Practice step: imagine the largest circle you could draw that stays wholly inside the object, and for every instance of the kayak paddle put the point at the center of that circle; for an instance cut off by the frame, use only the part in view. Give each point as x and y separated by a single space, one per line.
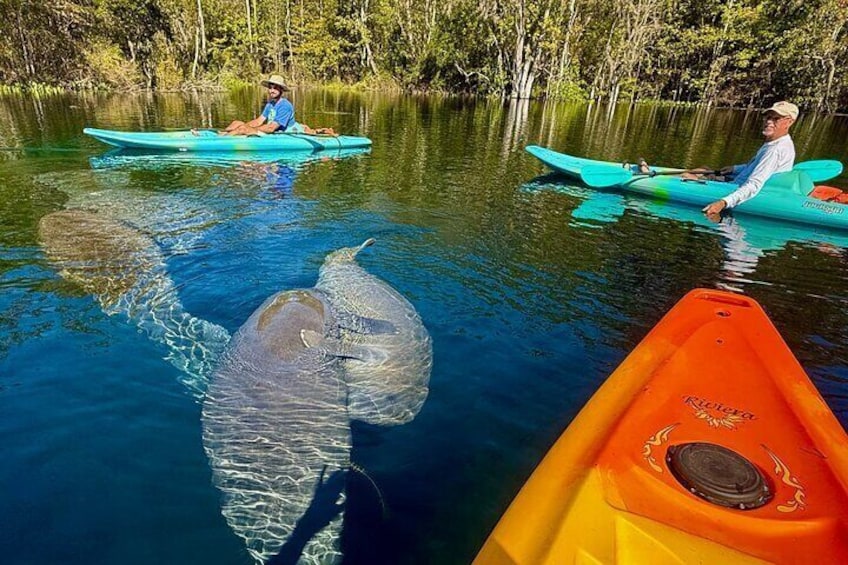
604 176
821 170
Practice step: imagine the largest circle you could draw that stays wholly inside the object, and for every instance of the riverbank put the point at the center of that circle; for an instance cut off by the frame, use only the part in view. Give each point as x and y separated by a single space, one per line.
224 85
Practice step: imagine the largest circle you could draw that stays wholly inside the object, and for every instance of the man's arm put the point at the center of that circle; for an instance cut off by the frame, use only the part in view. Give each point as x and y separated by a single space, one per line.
270 127
767 166
256 122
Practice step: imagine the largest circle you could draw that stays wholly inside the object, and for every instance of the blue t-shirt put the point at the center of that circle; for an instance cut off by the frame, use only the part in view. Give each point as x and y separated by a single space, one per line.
282 112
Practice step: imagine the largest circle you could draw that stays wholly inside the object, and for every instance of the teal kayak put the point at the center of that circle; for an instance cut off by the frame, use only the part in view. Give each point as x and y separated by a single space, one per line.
783 197
208 140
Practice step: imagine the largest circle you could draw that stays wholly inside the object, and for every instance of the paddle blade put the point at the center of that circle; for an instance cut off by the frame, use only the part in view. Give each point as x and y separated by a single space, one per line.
821 170
601 176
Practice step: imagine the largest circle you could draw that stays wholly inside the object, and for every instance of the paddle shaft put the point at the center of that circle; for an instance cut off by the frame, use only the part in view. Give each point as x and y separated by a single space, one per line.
818 170
601 176
679 172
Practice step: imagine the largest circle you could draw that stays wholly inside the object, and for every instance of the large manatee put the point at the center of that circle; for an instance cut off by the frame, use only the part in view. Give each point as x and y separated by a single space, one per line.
389 374
125 271
276 414
277 433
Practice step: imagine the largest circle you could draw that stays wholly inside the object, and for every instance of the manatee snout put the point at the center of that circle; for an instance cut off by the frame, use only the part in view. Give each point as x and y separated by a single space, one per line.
367 243
347 254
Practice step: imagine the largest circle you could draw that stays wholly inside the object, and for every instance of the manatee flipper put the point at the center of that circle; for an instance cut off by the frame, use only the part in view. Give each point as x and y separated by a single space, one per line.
364 325
311 338
337 348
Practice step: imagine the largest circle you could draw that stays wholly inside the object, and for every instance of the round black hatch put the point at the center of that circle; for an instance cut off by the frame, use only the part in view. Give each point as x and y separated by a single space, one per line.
718 475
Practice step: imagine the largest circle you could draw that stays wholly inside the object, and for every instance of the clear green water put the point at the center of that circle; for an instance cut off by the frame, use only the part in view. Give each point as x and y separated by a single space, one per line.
532 290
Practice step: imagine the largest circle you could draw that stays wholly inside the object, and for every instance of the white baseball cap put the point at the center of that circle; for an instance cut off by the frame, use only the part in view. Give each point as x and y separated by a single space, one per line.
784 108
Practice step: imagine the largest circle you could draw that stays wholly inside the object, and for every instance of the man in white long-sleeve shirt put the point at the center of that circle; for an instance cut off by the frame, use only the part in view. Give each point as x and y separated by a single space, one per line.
777 155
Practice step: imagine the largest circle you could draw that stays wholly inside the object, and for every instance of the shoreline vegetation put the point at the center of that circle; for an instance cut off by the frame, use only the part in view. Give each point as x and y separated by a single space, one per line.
737 53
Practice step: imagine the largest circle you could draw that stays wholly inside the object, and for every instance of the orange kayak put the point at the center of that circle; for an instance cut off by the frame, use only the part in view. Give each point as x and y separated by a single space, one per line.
708 444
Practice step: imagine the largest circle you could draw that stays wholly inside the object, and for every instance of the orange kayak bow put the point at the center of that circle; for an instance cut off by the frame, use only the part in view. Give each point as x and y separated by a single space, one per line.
708 444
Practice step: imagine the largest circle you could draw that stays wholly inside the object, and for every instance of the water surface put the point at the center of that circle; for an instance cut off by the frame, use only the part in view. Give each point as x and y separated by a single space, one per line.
532 289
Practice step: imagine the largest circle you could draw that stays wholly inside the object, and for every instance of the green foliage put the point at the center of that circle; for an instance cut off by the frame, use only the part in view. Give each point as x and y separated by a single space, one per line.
737 52
110 67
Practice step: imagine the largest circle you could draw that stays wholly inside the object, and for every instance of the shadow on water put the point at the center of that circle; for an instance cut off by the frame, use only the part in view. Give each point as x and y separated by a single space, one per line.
321 511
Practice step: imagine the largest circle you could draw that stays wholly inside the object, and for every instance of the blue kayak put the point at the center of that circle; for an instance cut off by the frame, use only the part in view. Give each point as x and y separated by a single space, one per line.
208 140
783 197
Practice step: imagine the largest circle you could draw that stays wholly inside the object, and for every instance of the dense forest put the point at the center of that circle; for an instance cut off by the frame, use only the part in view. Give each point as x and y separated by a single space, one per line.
727 52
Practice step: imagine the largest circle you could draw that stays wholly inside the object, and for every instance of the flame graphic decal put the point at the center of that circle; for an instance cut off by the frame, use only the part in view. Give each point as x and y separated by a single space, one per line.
656 440
798 501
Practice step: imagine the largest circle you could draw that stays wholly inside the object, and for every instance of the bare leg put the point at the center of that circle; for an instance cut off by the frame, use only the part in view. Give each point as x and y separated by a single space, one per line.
230 129
243 129
702 172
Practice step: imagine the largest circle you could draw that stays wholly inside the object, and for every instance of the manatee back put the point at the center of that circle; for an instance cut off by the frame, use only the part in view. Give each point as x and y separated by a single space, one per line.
277 324
274 422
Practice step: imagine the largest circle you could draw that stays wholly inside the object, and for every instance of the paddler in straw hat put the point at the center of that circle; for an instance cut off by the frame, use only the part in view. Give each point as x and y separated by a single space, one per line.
278 114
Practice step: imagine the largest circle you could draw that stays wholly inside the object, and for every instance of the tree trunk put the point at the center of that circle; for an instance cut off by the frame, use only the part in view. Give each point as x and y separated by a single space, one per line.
290 53
524 56
255 14
824 101
194 63
28 65
365 38
613 97
202 28
565 53
710 89
249 26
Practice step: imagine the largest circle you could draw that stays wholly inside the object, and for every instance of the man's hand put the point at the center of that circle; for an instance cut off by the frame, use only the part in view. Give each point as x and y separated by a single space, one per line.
714 210
726 171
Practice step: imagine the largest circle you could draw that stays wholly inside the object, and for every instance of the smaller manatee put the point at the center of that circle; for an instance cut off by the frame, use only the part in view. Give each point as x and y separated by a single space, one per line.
388 352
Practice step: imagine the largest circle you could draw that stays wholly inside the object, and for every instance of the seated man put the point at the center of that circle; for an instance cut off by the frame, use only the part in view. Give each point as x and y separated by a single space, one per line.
278 114
777 155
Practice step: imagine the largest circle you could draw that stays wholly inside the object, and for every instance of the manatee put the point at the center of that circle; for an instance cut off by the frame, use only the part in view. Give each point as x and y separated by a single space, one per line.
389 354
125 271
277 433
178 219
276 416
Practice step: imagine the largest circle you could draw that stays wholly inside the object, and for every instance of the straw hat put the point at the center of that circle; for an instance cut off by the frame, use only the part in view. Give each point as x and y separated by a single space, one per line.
277 80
